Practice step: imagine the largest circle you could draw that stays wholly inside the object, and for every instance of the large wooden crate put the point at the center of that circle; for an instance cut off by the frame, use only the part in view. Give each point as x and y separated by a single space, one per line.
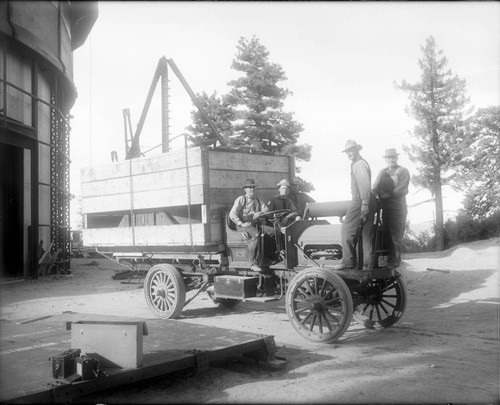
156 191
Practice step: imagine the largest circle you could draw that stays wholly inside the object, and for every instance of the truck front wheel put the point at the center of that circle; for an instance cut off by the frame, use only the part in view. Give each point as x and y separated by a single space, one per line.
319 305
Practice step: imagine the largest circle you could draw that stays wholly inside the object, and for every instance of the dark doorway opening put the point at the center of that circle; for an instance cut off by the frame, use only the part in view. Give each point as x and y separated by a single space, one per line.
11 210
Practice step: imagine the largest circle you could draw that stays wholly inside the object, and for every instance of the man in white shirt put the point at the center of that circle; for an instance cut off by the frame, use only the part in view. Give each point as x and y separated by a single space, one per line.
245 212
363 205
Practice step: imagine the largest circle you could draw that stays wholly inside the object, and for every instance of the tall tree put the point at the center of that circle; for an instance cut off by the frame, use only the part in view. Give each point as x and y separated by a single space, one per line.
479 169
260 123
439 104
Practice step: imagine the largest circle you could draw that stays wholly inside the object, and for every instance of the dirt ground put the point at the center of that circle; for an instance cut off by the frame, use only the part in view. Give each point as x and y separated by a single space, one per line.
445 349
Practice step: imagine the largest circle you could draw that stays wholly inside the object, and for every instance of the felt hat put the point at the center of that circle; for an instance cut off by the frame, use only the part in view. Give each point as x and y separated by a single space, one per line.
351 144
283 182
390 152
249 183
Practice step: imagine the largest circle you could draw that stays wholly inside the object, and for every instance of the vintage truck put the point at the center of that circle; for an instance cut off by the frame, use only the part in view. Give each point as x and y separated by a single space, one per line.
166 217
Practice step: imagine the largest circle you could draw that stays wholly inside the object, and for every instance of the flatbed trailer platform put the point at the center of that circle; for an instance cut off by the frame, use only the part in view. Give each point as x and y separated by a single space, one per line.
170 346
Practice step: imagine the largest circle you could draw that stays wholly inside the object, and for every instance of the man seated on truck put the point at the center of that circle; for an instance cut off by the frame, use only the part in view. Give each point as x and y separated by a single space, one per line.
283 202
245 214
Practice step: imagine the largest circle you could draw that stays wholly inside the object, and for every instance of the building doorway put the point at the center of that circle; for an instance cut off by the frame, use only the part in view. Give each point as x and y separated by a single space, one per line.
12 211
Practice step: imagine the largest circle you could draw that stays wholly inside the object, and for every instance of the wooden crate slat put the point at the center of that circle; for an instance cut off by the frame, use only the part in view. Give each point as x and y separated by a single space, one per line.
247 161
165 162
142 200
145 235
236 179
145 182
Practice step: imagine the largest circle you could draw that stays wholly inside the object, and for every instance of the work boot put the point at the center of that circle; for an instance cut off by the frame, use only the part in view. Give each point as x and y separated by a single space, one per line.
256 268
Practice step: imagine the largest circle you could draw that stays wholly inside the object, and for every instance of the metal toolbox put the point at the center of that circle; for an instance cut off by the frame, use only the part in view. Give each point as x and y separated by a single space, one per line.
63 365
87 368
237 287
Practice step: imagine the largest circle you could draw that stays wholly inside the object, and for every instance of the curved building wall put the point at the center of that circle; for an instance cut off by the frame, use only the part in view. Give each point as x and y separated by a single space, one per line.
36 94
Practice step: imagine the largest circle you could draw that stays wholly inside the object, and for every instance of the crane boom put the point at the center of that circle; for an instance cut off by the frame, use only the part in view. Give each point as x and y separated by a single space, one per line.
162 72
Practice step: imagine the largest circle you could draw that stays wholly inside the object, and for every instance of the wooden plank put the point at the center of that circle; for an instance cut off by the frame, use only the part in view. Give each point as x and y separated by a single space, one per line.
144 182
236 179
223 197
216 231
205 208
158 235
143 200
231 160
48 262
164 162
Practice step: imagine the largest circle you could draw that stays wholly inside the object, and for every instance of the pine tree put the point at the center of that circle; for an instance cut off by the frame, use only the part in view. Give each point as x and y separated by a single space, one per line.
479 169
260 123
439 104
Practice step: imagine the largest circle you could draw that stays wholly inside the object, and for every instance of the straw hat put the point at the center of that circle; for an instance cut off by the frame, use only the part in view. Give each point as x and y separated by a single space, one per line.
249 183
351 144
283 182
390 152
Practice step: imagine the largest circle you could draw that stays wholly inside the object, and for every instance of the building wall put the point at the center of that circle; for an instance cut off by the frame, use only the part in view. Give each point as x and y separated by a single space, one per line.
36 94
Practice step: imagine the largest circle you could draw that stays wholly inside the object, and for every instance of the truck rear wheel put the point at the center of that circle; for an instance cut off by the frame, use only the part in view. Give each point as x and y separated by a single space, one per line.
319 305
165 291
384 303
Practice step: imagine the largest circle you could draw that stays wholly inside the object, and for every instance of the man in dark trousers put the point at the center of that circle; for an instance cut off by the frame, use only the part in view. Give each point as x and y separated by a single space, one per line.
363 205
391 186
245 214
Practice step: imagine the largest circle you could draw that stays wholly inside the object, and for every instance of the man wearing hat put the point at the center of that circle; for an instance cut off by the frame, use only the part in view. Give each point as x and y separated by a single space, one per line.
283 202
299 198
245 212
391 186
363 205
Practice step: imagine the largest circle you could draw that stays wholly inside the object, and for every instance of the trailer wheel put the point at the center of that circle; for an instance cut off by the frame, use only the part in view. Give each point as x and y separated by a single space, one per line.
384 303
165 291
319 305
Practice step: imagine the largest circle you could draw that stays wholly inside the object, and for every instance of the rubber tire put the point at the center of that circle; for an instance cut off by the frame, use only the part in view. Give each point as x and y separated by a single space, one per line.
299 305
165 291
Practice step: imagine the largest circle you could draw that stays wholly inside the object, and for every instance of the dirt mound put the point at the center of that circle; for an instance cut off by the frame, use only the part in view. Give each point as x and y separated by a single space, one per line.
479 255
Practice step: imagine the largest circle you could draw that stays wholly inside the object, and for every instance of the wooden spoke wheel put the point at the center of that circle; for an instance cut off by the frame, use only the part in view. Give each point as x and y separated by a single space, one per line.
165 291
383 302
319 305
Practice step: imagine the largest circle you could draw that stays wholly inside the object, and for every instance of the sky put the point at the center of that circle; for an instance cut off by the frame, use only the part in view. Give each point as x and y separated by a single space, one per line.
341 60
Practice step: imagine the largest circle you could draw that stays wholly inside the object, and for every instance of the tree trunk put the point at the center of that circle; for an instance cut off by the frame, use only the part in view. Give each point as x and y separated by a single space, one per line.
438 195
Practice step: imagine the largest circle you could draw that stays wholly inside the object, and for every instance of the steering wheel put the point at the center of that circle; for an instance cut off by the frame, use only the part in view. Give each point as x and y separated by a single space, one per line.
270 214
